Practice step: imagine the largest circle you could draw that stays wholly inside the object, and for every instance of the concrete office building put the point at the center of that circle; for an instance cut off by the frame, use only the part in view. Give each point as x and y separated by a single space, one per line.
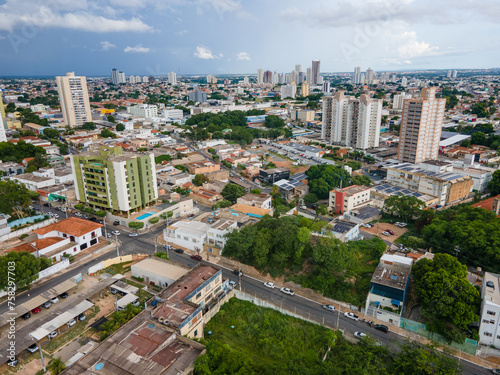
421 124
288 91
117 77
315 77
143 110
353 122
74 99
197 96
172 78
357 76
113 180
260 76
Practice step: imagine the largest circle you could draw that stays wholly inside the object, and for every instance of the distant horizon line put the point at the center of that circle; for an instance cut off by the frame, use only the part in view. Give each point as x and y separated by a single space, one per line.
46 76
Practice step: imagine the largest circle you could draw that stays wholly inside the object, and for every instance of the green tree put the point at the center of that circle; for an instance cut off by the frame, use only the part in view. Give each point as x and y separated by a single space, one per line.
321 210
120 127
494 184
106 133
14 194
355 165
232 192
26 267
331 255
51 133
361 179
406 207
256 191
111 118
88 126
423 360
444 292
310 198
200 179
56 366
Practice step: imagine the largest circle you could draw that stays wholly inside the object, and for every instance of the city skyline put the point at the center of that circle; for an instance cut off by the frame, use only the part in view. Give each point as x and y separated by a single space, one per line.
211 36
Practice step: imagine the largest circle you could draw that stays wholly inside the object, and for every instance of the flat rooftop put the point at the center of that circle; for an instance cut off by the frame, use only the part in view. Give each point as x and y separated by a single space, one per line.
391 275
354 189
491 294
161 268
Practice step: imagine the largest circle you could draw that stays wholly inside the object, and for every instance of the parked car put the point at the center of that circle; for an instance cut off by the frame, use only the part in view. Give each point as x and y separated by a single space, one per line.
82 317
381 327
33 348
72 322
64 295
116 233
13 362
133 235
197 257
367 225
238 272
233 283
36 310
46 304
269 284
116 222
287 291
109 235
352 316
52 334
329 308
135 303
385 233
359 335
389 231
54 300
26 316
179 251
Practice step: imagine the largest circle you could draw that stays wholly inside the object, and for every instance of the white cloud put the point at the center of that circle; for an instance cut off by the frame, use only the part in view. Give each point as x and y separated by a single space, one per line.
137 49
106 46
65 15
205 54
181 32
411 47
243 56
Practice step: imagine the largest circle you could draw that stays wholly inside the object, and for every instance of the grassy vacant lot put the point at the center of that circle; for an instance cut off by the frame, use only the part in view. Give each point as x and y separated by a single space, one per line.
247 339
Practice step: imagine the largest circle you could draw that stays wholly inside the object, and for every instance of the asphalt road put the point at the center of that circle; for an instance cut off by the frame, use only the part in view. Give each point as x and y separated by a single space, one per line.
297 304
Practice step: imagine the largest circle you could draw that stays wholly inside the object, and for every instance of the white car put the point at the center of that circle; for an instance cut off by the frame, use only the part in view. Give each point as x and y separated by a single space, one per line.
116 233
54 300
52 334
287 291
329 308
359 335
351 316
71 323
269 284
232 283
133 235
386 233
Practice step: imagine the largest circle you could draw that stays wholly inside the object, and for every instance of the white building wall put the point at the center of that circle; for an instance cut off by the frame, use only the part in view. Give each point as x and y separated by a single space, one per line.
120 172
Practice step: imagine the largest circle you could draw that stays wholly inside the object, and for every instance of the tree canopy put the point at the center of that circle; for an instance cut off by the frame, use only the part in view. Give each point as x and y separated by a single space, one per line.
323 178
17 152
14 194
26 268
406 207
232 192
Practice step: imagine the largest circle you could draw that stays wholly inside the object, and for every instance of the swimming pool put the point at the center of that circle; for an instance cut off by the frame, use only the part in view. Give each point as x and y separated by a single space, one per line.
25 220
145 216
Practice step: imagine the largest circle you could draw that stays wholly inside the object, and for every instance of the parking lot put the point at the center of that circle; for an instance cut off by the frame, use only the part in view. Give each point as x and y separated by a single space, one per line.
383 227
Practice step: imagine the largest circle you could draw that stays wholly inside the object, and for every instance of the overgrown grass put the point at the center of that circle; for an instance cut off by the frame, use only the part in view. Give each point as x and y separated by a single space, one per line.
118 268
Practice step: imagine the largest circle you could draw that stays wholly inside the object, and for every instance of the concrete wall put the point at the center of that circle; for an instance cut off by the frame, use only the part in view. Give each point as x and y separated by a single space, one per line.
29 229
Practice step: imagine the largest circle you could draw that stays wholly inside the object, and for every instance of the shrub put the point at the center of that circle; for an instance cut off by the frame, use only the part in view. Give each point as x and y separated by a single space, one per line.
100 213
79 206
162 255
23 236
136 225
89 210
154 220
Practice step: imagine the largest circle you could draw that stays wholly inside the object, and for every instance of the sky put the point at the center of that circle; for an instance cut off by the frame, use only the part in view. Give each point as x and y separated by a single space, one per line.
154 37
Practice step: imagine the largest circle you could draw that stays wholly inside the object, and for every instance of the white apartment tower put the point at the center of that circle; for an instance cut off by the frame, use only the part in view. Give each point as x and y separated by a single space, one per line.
288 91
3 136
260 76
357 76
172 78
350 121
369 76
309 76
397 101
421 125
74 99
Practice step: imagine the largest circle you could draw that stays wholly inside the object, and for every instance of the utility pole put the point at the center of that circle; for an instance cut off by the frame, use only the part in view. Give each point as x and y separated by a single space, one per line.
105 231
338 318
457 250
239 277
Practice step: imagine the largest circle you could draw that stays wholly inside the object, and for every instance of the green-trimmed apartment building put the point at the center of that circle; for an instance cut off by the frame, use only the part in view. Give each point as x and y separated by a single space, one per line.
114 180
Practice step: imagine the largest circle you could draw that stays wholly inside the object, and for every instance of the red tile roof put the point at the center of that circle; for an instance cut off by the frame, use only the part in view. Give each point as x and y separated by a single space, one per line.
72 226
487 204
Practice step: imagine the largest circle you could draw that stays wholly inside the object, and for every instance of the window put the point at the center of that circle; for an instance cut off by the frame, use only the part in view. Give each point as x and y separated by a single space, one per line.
487 334
492 321
198 295
491 313
485 321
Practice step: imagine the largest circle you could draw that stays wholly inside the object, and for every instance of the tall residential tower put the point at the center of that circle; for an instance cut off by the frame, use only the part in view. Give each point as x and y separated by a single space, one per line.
74 99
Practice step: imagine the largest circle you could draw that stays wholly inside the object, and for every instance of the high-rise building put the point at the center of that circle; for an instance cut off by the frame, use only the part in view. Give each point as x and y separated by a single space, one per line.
326 87
304 90
143 110
172 78
421 125
3 136
246 81
268 76
454 74
298 68
309 76
448 75
131 79
397 101
2 108
260 76
209 78
197 96
145 79
315 72
117 76
404 81
74 99
288 91
113 180
369 76
357 76
350 121
275 77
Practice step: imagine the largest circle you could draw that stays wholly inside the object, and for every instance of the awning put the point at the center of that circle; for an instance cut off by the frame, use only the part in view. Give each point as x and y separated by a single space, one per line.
395 302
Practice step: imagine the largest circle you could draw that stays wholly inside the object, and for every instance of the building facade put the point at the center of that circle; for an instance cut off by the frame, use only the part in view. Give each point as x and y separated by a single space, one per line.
421 124
143 110
348 198
74 99
112 180
489 328
353 122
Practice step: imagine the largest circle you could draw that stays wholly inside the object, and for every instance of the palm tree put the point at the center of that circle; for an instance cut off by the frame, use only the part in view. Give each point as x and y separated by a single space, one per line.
130 311
56 366
18 211
118 318
107 328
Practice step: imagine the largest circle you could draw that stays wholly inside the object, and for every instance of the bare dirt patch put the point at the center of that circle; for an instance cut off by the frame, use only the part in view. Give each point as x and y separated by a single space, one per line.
384 226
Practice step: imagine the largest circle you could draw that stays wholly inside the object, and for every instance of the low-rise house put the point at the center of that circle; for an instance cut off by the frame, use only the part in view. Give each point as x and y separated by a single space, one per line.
203 167
157 271
270 176
345 230
206 197
187 234
216 235
261 200
349 198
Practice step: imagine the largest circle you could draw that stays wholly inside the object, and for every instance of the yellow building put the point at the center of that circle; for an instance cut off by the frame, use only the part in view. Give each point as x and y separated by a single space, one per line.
304 90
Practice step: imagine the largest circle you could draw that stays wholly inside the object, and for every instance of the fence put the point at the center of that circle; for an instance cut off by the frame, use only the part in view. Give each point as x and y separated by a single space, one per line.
29 229
469 346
